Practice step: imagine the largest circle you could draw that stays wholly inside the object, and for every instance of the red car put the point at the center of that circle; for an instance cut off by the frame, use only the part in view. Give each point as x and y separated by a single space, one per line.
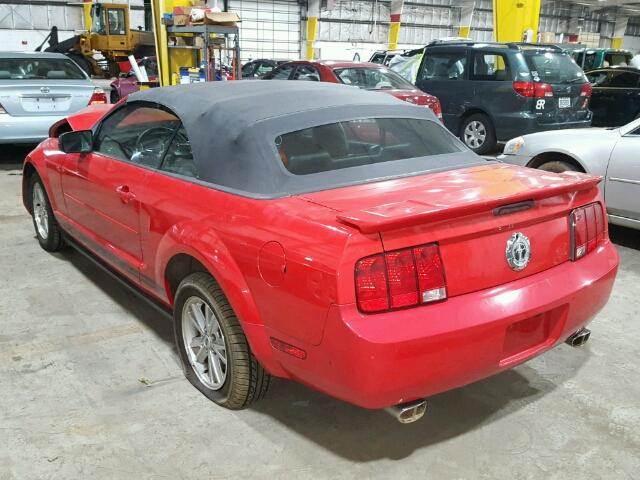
288 240
123 86
368 76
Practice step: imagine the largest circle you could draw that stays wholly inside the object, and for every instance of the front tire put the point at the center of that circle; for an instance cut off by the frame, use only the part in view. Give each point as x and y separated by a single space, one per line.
216 357
477 133
47 230
558 166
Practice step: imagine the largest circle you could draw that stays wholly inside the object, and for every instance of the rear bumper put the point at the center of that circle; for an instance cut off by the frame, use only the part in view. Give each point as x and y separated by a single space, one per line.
375 361
26 129
525 123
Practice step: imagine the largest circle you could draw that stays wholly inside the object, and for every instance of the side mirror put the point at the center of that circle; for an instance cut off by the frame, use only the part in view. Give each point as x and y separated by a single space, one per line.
80 141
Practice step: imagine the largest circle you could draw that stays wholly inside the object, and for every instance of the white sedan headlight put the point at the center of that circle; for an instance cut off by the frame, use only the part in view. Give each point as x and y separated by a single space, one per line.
513 146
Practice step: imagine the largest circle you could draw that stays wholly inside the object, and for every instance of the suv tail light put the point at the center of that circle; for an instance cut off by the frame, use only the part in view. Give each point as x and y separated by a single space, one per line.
98 97
533 89
586 90
587 229
401 278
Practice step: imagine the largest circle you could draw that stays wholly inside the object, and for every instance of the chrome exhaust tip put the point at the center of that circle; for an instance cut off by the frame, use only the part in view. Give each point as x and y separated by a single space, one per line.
579 338
408 412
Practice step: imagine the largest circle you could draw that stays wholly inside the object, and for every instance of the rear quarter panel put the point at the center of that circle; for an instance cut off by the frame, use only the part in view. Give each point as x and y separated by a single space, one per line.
278 261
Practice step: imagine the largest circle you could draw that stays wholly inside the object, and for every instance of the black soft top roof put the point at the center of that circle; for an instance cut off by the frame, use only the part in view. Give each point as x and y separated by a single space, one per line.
232 127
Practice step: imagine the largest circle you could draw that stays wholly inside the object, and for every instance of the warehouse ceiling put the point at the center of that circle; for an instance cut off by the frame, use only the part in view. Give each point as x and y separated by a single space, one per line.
630 7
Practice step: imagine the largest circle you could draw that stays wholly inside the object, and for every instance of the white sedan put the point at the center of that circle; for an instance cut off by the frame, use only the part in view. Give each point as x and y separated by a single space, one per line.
37 90
613 153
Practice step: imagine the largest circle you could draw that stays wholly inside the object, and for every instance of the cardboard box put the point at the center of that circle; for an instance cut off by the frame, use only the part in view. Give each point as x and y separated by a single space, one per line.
227 19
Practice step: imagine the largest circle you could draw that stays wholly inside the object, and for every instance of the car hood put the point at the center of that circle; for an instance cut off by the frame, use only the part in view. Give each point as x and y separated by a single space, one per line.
570 136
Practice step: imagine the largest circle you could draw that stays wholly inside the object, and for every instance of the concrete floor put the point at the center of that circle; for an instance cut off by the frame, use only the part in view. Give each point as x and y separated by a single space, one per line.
90 386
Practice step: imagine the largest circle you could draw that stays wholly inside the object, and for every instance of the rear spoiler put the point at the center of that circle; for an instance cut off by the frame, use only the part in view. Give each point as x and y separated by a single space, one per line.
407 213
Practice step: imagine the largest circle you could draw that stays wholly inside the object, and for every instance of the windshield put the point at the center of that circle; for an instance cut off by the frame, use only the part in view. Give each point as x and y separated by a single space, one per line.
372 78
40 69
549 67
362 142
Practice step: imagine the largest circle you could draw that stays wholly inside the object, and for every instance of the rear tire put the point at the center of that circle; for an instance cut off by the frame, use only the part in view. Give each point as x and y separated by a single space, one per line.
558 166
214 351
47 230
82 62
478 134
113 96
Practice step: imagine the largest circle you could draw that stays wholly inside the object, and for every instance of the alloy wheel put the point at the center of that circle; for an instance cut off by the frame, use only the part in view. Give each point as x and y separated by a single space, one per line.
475 134
40 215
204 343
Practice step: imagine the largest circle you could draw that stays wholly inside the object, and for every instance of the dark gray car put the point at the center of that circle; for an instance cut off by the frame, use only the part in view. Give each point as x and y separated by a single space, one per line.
493 92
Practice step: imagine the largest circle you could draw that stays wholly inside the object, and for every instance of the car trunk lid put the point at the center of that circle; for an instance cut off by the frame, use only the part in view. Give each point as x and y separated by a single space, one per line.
46 97
471 213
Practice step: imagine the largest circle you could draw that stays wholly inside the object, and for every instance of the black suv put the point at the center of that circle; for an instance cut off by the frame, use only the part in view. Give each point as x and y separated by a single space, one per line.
493 92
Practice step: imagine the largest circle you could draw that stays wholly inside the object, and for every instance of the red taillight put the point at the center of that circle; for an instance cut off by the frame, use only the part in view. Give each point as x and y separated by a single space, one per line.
587 229
533 89
437 108
586 90
371 284
98 97
401 278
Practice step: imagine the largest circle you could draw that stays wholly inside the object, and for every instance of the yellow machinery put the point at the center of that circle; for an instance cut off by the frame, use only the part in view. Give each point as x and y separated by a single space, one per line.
109 33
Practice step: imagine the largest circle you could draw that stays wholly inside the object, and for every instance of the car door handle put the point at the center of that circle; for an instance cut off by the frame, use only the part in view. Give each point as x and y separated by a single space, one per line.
125 194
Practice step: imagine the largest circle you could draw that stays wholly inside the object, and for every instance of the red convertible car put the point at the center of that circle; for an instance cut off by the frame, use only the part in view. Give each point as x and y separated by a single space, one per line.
368 76
332 236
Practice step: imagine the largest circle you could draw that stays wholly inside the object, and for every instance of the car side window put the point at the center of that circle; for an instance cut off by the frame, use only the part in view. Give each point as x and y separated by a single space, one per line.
307 73
624 80
179 158
599 79
136 133
444 66
490 66
262 69
280 73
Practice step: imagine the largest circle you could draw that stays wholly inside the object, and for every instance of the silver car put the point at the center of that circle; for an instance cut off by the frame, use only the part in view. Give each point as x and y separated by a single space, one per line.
613 153
38 89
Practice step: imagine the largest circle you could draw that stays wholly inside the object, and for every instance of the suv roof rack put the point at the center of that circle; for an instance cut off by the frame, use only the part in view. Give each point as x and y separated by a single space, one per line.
548 46
468 42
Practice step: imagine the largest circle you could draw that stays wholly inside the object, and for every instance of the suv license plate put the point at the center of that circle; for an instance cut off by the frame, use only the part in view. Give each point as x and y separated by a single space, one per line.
564 102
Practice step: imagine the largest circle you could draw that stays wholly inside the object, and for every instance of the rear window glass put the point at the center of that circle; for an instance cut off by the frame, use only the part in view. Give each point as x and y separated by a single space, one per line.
617 59
361 142
551 67
39 69
372 78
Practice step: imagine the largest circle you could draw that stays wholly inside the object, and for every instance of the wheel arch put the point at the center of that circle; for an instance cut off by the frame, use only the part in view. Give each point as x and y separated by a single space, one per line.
545 157
472 111
28 172
184 258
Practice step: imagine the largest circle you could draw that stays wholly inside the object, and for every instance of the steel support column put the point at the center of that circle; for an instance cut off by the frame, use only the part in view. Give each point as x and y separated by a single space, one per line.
313 12
466 16
394 23
618 31
515 21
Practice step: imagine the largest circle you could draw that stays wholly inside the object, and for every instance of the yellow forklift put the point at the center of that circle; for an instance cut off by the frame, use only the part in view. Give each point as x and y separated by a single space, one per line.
110 34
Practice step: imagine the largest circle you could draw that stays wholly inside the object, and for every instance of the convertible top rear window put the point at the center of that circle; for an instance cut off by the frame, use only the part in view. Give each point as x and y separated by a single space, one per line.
355 143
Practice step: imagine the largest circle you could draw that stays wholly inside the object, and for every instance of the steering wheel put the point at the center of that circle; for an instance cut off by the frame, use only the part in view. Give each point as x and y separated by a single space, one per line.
164 134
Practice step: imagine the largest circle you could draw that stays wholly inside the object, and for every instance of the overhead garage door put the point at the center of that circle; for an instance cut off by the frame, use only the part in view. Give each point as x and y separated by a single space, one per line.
269 28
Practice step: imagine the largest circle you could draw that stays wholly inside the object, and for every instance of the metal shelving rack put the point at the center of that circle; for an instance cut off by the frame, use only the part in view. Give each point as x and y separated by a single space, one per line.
205 32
